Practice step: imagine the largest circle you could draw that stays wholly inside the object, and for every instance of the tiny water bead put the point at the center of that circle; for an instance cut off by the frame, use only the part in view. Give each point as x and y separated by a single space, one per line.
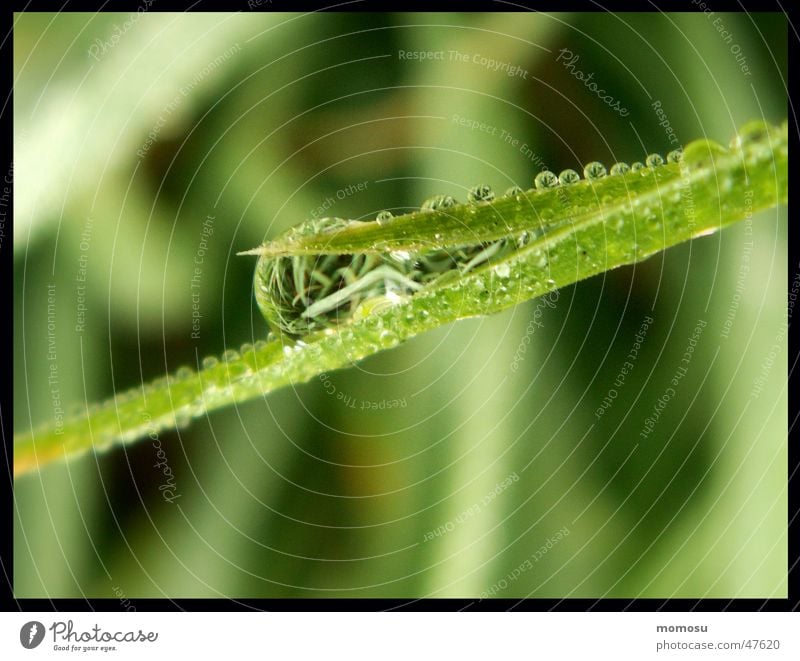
184 373
594 170
307 292
300 294
568 177
545 179
438 202
384 217
753 131
503 270
675 156
230 356
480 193
654 160
209 362
702 152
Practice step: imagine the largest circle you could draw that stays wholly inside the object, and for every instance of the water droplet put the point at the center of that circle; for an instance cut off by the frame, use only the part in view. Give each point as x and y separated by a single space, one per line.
568 176
386 338
384 217
545 179
210 362
183 419
183 373
620 168
503 270
480 193
635 167
675 156
654 160
594 170
514 191
751 132
701 152
438 202
260 345
246 348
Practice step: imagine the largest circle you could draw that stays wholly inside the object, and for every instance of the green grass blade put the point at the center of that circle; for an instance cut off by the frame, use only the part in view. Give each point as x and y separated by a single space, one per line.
540 210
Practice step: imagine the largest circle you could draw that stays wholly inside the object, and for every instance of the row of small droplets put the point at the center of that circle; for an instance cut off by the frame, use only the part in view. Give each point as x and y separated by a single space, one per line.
545 179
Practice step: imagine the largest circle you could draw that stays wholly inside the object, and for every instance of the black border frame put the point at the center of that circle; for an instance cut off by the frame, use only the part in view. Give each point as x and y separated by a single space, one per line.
8 603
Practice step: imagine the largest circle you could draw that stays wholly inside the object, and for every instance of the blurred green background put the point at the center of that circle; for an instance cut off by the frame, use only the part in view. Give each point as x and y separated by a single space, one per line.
487 472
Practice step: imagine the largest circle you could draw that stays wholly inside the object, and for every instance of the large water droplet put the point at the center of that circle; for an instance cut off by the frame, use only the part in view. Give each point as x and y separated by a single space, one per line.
620 168
635 167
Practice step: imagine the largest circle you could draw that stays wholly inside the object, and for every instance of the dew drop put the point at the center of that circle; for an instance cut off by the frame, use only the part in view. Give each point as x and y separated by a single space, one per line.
438 202
675 156
480 193
620 168
545 179
210 362
246 348
183 419
635 167
751 132
386 338
230 355
503 270
569 176
594 170
514 191
700 152
260 345
184 373
654 160
384 217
